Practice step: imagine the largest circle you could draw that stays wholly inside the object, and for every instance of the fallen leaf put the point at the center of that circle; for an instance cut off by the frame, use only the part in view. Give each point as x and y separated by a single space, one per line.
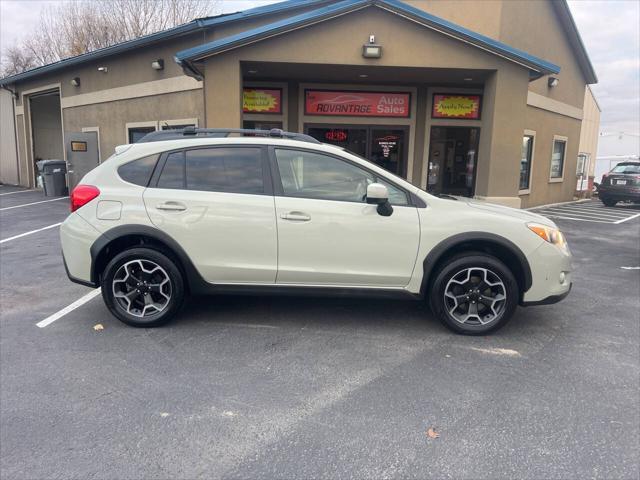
98 327
431 433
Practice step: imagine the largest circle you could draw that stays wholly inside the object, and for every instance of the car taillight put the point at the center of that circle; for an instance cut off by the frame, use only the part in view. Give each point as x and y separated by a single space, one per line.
83 194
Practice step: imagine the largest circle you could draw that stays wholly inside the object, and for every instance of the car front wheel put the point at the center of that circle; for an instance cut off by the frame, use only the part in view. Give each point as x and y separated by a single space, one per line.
143 287
474 294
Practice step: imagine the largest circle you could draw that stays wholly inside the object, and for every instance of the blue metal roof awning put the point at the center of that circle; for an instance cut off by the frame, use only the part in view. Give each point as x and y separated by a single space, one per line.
193 26
538 66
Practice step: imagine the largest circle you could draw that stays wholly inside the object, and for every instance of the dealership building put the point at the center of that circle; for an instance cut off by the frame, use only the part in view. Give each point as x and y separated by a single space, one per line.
480 99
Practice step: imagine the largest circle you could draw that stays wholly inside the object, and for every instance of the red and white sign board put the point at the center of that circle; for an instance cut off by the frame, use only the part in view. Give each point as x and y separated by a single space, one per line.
357 104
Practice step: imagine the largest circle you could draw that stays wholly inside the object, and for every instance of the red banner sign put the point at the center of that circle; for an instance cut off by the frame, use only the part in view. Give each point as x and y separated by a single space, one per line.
456 106
357 104
262 100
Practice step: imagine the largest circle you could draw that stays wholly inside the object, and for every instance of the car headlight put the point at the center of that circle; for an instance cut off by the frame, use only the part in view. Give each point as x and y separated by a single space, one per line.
550 234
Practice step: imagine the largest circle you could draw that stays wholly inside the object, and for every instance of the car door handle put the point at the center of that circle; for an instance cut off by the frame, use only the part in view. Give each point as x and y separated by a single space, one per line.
171 207
295 217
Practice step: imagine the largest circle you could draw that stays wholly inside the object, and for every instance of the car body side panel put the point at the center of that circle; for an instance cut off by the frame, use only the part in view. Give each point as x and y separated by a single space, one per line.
345 243
229 237
443 219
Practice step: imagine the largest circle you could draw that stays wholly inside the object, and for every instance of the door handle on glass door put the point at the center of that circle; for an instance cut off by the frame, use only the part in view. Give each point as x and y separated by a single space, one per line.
295 217
172 207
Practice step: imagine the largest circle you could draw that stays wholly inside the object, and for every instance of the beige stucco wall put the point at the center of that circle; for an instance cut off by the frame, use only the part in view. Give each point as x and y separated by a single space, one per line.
480 16
535 28
545 125
590 129
111 117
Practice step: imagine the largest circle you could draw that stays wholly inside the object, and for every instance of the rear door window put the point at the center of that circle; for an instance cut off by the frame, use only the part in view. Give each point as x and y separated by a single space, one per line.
172 175
225 169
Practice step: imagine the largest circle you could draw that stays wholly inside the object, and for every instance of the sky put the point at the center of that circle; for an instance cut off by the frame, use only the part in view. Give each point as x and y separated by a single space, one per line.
610 30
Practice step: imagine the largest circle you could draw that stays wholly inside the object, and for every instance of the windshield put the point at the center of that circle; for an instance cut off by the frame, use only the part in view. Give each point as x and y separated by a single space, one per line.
627 168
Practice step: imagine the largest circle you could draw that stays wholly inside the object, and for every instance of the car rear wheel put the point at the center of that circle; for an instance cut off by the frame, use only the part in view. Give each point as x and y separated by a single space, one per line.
143 287
474 294
609 202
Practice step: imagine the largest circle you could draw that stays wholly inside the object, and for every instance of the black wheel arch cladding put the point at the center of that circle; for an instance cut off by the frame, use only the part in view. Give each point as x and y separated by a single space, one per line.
501 248
131 236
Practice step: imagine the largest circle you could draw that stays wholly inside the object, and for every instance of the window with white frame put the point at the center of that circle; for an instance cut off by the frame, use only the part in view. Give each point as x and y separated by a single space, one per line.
557 158
525 161
136 130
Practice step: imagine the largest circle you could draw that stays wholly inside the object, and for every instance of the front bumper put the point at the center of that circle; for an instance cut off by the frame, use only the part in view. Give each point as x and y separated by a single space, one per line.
550 300
551 275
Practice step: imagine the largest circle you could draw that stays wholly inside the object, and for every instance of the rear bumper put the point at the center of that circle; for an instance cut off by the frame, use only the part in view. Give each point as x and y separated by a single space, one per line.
76 237
619 193
75 279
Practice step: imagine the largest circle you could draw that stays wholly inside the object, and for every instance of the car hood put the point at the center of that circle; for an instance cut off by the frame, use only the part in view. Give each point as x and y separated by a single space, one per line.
524 215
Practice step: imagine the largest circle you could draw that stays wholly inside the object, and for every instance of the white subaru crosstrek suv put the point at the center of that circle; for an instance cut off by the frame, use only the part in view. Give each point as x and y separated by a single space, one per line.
233 211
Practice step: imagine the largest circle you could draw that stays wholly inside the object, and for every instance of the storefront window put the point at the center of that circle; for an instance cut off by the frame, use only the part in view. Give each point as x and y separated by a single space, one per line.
525 162
557 158
383 146
261 125
452 160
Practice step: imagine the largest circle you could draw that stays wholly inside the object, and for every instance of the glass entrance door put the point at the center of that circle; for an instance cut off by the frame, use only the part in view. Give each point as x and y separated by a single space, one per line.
453 156
384 146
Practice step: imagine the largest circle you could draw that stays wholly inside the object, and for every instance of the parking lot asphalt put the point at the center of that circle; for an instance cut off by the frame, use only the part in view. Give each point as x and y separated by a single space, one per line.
258 387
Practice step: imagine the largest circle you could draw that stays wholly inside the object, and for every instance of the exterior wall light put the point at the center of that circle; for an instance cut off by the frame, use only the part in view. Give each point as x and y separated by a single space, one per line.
75 81
371 49
158 64
553 82
103 69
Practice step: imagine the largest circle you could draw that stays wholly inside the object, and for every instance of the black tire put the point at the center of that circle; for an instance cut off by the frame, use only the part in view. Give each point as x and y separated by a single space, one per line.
452 272
173 288
609 202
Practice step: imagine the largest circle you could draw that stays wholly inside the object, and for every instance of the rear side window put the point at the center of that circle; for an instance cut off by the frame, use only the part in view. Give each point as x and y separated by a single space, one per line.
234 170
172 175
139 171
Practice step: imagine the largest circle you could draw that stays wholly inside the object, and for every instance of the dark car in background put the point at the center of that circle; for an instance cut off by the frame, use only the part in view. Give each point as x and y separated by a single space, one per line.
621 184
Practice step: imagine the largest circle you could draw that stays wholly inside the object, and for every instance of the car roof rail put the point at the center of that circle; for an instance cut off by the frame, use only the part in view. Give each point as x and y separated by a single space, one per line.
193 132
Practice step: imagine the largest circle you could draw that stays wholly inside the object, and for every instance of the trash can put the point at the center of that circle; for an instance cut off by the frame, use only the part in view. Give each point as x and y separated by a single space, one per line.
54 177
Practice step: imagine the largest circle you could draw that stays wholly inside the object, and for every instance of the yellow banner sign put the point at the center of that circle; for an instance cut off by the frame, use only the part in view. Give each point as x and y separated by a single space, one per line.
261 100
456 106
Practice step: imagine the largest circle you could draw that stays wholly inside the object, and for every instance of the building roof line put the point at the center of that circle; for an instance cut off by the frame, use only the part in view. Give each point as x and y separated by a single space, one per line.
541 67
184 29
575 40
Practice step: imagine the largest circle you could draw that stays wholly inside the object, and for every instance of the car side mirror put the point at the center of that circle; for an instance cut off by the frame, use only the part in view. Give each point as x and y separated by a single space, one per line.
377 194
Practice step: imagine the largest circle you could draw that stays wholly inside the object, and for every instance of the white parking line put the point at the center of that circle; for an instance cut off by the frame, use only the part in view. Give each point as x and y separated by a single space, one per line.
29 233
630 268
592 211
626 219
573 218
596 216
19 191
32 203
69 308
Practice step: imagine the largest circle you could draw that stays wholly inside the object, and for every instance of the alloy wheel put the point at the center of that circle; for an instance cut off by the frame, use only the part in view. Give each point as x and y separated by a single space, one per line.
141 288
475 296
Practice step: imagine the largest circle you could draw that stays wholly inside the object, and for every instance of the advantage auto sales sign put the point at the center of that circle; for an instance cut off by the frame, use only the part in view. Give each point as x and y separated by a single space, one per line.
357 104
